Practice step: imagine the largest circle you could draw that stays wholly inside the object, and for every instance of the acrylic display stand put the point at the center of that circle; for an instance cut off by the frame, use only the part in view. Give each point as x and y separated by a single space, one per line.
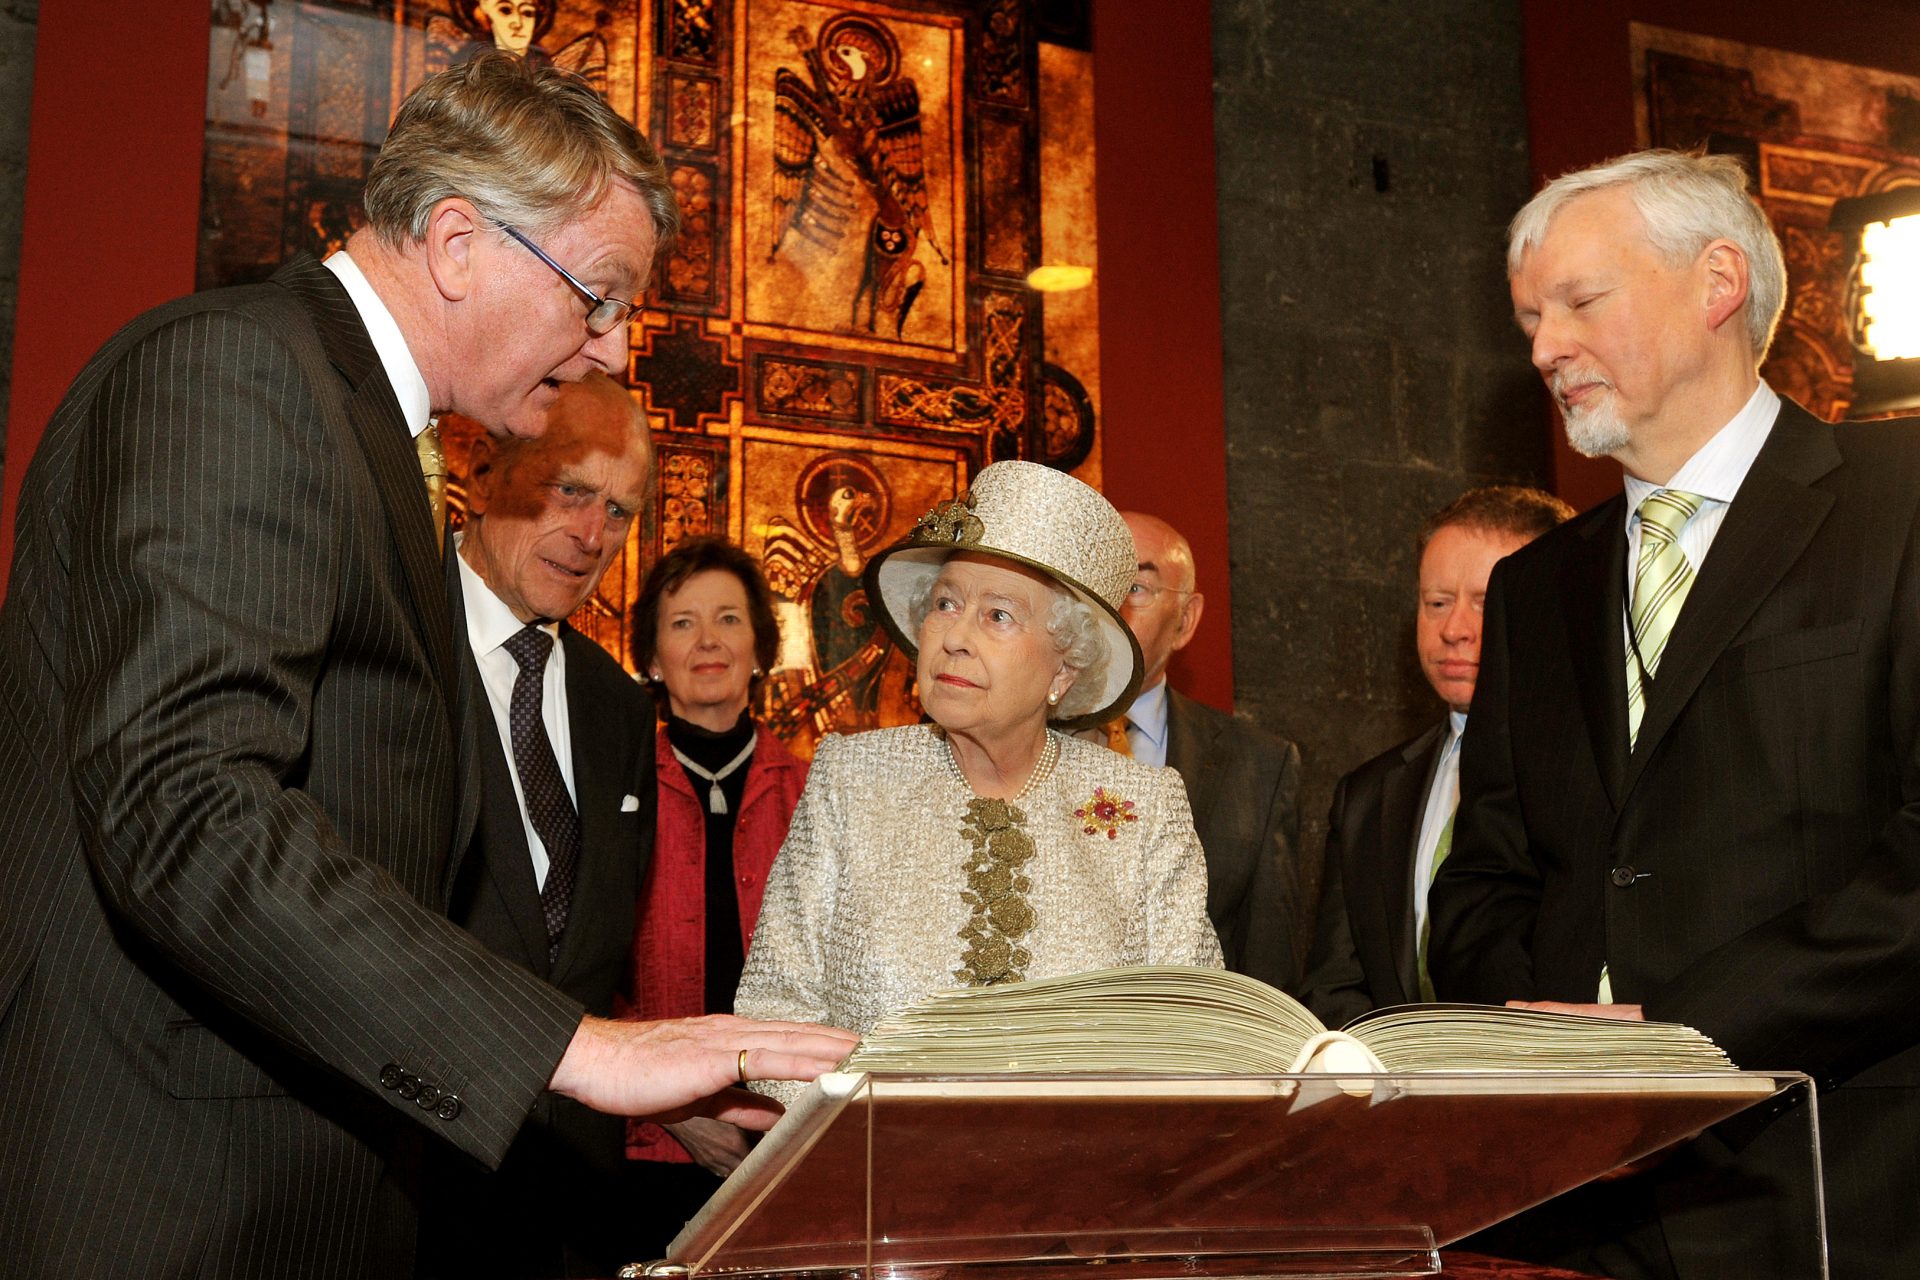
1010 1177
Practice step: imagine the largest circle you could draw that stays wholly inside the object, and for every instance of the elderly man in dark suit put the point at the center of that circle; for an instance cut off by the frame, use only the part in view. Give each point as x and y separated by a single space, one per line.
566 809
1391 824
1243 783
1690 789
235 777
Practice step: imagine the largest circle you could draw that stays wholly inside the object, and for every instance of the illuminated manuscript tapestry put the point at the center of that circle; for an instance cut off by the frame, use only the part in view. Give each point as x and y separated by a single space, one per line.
1812 132
844 332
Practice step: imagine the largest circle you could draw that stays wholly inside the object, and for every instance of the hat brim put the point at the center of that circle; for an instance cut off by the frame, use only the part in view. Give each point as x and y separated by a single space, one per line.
899 575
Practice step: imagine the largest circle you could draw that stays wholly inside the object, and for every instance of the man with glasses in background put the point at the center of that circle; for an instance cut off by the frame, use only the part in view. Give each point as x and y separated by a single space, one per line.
235 775
1243 783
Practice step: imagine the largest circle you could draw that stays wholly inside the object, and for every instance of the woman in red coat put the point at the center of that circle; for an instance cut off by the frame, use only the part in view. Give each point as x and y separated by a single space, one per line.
703 630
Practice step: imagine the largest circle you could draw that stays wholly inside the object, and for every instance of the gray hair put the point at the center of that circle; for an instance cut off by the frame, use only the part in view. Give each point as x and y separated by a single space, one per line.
1074 628
530 145
1686 201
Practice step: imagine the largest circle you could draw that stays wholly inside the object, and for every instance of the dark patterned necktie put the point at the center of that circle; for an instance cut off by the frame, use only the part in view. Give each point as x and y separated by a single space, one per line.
548 804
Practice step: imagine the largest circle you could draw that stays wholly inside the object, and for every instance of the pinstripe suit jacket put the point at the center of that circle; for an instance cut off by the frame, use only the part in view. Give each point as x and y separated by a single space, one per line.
1752 866
232 783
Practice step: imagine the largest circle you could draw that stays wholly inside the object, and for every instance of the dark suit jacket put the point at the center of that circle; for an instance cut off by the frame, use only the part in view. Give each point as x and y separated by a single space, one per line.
1244 786
553 1208
232 784
1365 954
1752 867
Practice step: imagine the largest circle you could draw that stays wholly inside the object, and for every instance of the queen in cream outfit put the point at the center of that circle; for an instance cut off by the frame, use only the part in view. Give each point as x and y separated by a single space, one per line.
990 846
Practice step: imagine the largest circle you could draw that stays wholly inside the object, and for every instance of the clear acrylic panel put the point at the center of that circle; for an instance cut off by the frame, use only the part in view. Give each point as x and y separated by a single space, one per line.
887 1177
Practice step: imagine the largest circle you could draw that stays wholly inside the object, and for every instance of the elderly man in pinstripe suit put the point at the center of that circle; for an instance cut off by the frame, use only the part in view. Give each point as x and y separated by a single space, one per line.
234 777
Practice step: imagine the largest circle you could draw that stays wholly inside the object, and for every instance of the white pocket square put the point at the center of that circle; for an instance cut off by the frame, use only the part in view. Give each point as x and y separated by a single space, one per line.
630 805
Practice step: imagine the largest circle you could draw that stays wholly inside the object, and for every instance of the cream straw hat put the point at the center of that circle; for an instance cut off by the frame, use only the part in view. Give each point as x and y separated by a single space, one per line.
1038 517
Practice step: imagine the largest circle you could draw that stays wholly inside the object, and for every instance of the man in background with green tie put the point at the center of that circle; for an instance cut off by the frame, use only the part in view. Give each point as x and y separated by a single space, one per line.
1690 788
1391 824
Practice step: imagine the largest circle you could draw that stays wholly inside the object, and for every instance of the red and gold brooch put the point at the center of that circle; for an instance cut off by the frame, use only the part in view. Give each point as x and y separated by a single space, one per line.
1107 811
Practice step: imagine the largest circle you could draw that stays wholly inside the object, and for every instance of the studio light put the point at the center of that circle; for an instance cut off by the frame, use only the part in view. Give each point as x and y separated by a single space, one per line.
1883 298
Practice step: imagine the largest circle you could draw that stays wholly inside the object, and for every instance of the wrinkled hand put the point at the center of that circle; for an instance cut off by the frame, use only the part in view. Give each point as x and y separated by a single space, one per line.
666 1071
1618 1012
715 1145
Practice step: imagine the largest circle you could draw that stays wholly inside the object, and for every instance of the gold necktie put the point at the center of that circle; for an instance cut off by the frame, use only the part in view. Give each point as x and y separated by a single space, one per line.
1116 731
433 468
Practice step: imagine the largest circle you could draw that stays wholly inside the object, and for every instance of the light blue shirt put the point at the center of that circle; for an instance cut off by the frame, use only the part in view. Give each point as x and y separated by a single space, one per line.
1443 797
1147 725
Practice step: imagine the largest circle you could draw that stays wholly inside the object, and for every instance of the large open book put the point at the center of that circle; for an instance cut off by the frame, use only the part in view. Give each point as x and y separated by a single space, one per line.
1166 1019
1147 1121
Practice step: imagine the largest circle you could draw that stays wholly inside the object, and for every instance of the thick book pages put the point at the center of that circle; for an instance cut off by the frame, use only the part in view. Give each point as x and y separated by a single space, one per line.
1173 1019
1147 1121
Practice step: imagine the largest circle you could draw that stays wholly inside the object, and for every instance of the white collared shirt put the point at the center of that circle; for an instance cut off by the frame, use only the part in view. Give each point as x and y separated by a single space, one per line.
409 388
490 624
1147 725
1715 473
1443 797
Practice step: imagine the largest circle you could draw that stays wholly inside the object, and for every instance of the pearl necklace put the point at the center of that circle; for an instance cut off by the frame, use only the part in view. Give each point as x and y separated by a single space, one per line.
1042 768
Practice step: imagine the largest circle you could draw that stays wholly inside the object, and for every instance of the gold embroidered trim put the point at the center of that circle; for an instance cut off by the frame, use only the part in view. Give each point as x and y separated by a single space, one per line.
997 892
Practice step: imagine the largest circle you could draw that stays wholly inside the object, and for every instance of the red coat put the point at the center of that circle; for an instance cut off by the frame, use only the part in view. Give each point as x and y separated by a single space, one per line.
668 978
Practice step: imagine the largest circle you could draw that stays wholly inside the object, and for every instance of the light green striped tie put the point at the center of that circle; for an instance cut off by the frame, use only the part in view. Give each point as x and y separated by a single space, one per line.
1661 580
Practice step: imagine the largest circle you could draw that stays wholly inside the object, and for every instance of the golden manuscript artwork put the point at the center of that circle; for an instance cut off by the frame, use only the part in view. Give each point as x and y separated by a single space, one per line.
844 332
1812 132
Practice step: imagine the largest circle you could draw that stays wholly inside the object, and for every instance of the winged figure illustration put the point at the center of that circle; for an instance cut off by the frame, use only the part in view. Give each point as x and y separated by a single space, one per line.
852 122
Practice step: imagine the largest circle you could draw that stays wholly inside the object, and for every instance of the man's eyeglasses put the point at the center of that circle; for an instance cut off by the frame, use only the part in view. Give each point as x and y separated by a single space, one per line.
604 315
1141 594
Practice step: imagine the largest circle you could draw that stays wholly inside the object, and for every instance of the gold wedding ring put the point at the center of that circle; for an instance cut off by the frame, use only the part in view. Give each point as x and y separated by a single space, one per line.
740 1066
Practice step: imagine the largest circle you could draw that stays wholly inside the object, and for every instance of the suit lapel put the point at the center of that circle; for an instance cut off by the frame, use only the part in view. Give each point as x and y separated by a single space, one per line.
1403 796
1772 518
507 862
599 751
1592 606
381 430
472 717
1190 754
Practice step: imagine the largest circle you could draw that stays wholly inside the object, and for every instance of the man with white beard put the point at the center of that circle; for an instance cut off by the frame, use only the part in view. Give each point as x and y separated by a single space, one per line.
1690 783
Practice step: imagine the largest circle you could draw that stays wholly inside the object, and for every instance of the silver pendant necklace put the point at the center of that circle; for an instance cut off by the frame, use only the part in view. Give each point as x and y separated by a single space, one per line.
716 799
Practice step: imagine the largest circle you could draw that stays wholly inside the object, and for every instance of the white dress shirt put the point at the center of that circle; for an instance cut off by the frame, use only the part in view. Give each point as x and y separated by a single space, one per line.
1715 473
1443 797
1147 725
408 386
490 624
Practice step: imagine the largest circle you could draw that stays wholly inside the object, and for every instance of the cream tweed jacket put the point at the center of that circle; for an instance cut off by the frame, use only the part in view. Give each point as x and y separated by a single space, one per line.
864 910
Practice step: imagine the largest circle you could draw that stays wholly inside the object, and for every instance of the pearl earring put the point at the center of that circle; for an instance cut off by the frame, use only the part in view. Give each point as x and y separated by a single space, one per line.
756 672
1053 699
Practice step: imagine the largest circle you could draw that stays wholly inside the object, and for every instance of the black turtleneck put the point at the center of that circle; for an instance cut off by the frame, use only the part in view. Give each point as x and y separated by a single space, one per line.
726 953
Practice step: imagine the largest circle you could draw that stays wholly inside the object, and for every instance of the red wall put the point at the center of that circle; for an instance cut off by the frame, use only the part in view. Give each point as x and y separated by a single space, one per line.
1160 374
1579 84
113 198
113 195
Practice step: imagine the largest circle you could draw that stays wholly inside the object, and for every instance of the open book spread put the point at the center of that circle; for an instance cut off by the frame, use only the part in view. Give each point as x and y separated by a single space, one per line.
1167 1019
